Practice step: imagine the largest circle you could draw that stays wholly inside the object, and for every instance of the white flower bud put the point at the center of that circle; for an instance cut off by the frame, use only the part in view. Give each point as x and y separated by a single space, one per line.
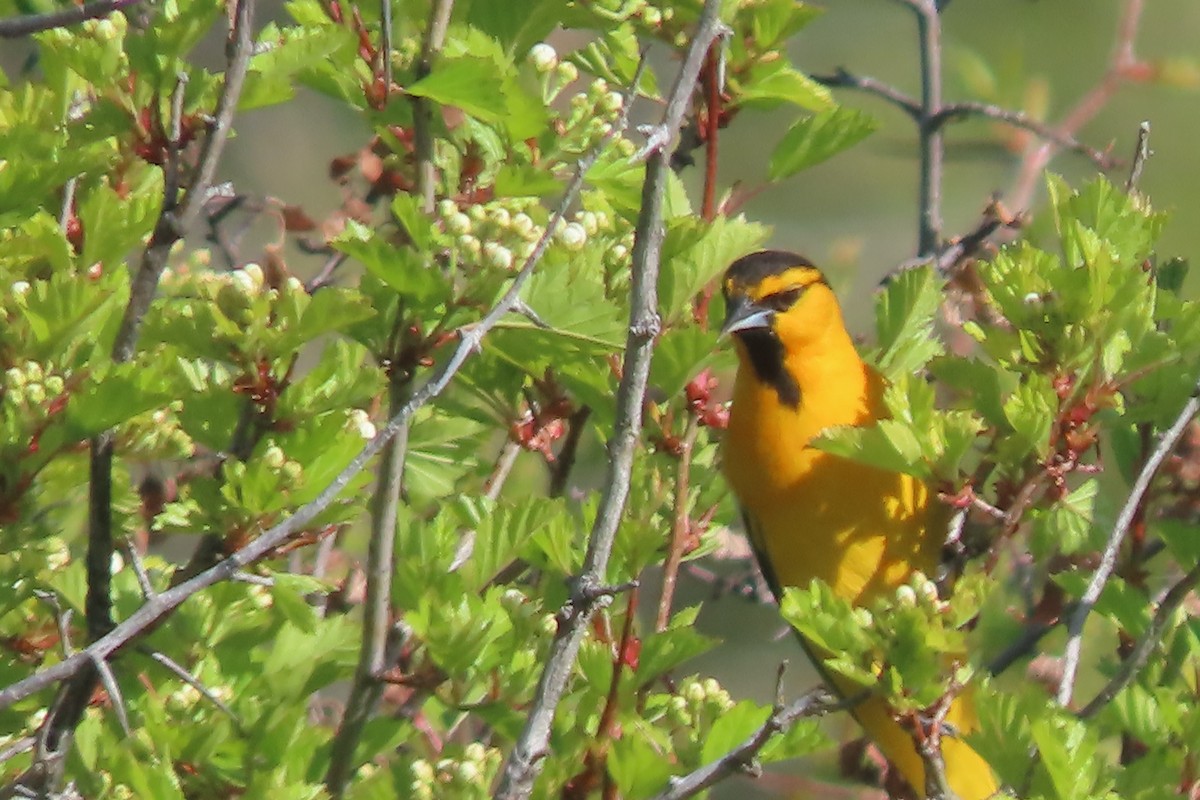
612 102
274 457
567 72
906 597
522 224
458 222
361 422
499 257
543 56
573 236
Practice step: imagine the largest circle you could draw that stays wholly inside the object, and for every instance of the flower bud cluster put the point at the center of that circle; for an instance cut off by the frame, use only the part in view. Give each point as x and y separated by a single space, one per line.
498 234
466 774
28 387
698 703
157 434
288 469
592 115
622 10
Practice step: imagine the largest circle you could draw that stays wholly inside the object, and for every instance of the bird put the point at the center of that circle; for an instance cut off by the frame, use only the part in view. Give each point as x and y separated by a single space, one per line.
810 514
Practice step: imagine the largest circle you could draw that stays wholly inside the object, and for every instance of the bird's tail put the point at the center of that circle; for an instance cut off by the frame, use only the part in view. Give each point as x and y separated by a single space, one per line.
967 774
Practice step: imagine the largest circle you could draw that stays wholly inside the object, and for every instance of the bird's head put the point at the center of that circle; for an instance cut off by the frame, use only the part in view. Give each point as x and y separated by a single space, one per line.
779 299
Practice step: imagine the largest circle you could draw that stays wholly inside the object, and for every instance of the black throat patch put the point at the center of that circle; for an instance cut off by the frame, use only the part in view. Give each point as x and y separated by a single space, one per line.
766 356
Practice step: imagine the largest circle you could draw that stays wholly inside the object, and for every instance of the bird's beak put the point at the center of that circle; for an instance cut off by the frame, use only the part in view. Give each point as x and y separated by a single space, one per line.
743 314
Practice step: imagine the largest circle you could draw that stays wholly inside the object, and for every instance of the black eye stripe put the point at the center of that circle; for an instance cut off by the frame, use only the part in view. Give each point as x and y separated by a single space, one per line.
782 301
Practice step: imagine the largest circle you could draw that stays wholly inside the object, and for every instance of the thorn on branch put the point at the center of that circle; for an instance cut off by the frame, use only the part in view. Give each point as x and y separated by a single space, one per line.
109 681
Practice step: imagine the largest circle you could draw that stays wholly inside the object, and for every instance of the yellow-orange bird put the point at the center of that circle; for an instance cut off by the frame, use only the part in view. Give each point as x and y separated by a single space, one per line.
810 514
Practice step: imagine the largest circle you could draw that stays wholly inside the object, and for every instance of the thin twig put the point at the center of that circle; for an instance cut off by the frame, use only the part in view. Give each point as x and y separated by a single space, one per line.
565 461
22 745
1108 559
814 704
523 764
842 79
67 209
366 688
1136 659
659 136
29 24
171 168
1122 67
139 569
152 612
62 619
1141 152
385 46
937 785
504 464
178 670
679 526
1019 119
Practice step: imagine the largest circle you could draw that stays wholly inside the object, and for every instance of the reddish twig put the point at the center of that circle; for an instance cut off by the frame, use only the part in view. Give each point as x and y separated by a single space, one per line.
1123 66
679 527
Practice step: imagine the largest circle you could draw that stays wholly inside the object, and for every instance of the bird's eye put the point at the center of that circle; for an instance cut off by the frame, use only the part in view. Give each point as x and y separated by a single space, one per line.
782 301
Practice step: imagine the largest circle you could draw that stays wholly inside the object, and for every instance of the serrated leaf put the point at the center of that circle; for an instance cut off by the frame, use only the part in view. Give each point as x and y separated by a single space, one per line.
399 267
904 317
817 138
732 728
776 82
473 84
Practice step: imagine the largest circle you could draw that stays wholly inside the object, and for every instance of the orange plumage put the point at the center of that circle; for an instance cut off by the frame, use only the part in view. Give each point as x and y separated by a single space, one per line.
810 514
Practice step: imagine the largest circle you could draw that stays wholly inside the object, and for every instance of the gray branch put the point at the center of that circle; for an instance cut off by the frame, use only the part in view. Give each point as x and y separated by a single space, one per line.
1108 560
523 764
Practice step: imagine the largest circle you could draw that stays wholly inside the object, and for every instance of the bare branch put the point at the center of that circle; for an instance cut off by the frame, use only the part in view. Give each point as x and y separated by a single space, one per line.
366 689
658 136
504 464
521 767
29 24
1019 119
1136 659
929 201
841 79
435 36
177 669
814 704
1108 559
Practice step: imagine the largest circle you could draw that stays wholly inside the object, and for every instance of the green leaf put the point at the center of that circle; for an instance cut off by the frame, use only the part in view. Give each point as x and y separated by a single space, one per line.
638 766
126 391
288 595
695 253
680 354
817 138
775 82
402 268
904 317
732 728
473 84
